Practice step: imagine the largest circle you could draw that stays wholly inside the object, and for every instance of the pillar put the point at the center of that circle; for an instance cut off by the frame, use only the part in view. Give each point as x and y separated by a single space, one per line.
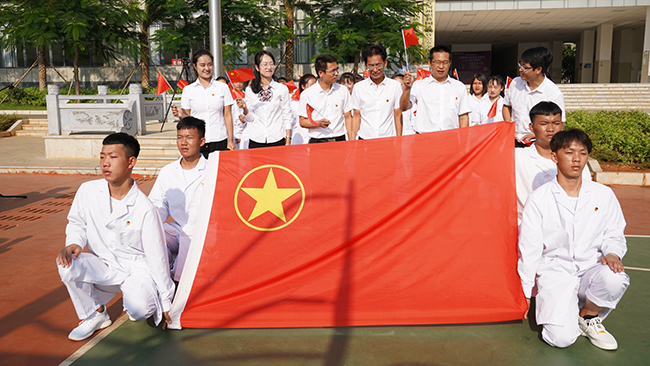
53 112
622 62
603 62
646 49
556 67
584 72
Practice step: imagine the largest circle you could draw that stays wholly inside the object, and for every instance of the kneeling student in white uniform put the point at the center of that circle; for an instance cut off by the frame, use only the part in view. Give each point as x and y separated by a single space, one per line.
177 191
571 244
123 235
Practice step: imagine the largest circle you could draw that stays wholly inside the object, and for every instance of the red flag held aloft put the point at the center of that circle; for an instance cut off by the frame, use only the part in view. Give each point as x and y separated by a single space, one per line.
410 39
366 73
182 84
240 75
162 85
455 74
291 85
508 82
422 73
236 94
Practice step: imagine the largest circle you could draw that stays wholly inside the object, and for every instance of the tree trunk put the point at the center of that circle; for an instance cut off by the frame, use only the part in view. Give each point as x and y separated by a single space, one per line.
42 71
144 57
289 46
356 64
75 67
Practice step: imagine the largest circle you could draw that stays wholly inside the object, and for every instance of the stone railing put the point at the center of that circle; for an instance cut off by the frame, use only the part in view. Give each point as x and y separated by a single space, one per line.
129 114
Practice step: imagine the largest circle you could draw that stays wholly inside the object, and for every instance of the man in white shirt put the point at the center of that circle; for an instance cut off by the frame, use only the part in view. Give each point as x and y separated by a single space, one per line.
441 102
177 191
570 246
530 88
533 165
125 246
330 101
375 100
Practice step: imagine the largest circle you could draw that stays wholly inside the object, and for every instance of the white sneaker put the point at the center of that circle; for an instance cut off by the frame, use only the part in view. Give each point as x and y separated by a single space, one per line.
131 318
88 326
597 334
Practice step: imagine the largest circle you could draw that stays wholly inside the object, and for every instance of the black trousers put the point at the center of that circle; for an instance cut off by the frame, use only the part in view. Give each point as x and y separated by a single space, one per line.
520 144
255 145
214 146
327 139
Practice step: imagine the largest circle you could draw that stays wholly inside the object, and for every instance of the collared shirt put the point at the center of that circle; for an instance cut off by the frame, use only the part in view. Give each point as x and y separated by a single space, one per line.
476 116
269 113
438 104
485 109
522 100
376 105
207 104
533 170
331 105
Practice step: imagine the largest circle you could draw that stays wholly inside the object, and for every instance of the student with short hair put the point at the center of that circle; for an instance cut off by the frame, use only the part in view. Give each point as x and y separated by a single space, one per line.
531 87
331 103
375 101
177 191
124 243
348 80
441 102
533 165
495 87
477 100
571 244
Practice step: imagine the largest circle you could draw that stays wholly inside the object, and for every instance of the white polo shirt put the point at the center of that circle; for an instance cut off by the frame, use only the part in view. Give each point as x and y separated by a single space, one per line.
532 171
268 119
522 100
207 104
376 105
476 117
485 109
439 104
330 105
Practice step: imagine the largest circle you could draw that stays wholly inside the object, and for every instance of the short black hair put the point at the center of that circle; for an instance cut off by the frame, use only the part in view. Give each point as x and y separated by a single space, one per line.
498 79
564 139
538 57
544 109
483 80
374 50
398 76
282 78
321 62
192 122
439 48
347 76
131 145
223 78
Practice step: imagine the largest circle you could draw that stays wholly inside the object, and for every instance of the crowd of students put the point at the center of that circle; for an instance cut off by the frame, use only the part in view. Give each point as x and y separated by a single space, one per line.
571 238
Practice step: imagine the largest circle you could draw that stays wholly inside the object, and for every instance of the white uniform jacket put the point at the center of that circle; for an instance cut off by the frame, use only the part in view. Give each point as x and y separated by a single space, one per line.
559 240
130 240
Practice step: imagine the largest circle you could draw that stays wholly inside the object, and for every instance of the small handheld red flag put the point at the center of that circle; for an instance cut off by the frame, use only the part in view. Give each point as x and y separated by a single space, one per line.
366 73
509 80
182 84
422 73
310 111
162 85
455 74
410 39
296 95
240 75
236 94
291 85
493 110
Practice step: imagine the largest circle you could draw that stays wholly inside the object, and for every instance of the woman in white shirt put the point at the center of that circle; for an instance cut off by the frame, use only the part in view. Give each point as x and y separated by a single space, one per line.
477 91
210 101
496 85
300 135
266 106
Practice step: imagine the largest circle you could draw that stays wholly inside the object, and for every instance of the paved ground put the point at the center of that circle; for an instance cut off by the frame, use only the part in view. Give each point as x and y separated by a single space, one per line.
36 313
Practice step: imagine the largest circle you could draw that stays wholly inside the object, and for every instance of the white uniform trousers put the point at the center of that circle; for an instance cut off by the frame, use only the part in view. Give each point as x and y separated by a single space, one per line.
601 286
92 284
172 240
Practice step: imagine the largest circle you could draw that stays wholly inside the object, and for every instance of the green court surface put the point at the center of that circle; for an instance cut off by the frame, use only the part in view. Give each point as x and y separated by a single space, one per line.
515 343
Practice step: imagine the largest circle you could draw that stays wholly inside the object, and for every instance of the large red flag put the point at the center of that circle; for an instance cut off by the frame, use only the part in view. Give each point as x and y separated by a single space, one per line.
162 85
240 75
410 39
422 73
375 232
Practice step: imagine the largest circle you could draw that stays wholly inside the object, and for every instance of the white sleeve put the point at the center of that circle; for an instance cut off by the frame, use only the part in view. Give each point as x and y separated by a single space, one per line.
249 98
347 106
185 100
287 112
76 230
531 246
158 196
613 237
355 100
155 251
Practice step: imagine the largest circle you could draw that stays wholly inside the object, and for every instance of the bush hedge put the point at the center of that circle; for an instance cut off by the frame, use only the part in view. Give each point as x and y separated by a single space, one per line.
7 120
618 136
33 97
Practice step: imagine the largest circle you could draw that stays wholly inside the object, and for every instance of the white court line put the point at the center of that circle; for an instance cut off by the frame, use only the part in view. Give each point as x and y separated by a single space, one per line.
638 269
98 338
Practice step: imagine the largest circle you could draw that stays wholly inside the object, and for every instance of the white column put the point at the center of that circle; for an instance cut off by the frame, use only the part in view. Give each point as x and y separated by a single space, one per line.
214 7
556 67
603 62
585 69
646 48
622 62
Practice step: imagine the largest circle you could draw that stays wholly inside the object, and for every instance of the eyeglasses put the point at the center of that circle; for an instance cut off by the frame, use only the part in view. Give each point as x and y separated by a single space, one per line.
441 63
333 72
268 64
375 67
523 67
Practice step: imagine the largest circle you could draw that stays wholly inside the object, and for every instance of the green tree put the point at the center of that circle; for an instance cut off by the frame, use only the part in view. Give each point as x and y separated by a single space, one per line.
154 11
568 62
290 7
345 27
253 23
32 23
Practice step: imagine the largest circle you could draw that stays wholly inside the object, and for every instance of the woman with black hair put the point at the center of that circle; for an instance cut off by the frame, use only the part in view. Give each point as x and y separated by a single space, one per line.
210 101
266 106
477 91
